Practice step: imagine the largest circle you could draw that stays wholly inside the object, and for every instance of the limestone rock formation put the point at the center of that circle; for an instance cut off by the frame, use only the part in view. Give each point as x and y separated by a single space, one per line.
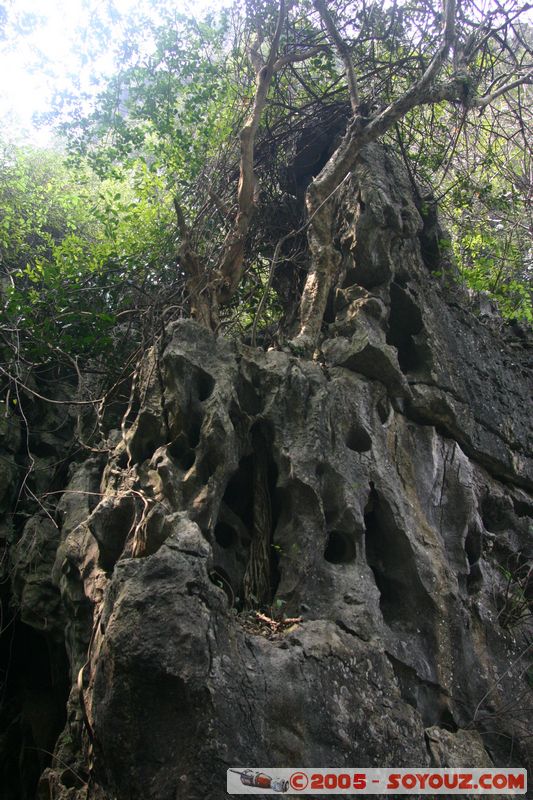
390 476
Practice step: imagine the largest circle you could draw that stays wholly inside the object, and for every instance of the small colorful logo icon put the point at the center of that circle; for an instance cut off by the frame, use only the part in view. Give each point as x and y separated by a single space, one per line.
260 780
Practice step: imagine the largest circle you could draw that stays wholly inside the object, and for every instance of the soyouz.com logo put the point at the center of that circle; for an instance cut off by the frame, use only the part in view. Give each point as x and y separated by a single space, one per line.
246 780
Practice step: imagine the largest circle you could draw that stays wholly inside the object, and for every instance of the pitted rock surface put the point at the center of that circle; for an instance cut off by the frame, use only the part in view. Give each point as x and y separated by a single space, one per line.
398 473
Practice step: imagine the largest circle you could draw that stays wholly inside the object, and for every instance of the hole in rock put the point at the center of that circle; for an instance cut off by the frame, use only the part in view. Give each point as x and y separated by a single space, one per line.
231 547
181 452
193 428
251 507
320 469
195 384
473 546
249 396
225 535
401 280
447 721
340 548
383 408
266 499
358 439
122 459
71 780
239 492
350 279
187 460
333 499
329 311
404 601
204 386
110 524
35 689
522 508
405 322
495 512
147 437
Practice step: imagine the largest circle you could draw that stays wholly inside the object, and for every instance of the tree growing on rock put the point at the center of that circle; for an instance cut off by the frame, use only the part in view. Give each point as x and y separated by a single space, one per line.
379 489
244 126
458 56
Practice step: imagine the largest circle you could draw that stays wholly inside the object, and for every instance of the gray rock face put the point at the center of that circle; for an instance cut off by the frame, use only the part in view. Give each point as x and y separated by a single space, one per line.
390 475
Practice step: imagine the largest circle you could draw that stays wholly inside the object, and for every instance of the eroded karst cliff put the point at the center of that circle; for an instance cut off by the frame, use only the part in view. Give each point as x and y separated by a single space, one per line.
377 494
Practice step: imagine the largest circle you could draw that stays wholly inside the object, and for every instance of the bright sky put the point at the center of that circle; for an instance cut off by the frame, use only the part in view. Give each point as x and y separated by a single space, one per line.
46 59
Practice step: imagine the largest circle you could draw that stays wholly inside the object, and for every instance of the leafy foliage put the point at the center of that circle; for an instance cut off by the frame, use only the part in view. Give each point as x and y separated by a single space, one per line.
169 106
481 178
75 253
89 246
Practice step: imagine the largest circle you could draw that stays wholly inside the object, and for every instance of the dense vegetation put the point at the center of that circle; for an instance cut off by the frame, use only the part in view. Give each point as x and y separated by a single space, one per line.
98 247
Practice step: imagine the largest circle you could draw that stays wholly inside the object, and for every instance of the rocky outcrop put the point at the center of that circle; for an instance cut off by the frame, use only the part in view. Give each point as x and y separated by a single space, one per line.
36 444
390 476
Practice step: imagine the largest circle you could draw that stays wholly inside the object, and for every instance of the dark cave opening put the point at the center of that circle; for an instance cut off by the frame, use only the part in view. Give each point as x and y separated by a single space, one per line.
225 535
358 440
236 525
205 384
405 323
340 548
496 513
182 452
232 532
111 526
193 427
35 685
238 496
403 598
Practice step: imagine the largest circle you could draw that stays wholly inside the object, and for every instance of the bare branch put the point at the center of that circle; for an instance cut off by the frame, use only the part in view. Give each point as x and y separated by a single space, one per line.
443 52
188 259
231 266
343 51
482 102
182 225
292 58
254 53
422 92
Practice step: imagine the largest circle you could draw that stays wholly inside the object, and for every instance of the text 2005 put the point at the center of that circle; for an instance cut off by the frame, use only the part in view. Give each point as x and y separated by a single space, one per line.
342 781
